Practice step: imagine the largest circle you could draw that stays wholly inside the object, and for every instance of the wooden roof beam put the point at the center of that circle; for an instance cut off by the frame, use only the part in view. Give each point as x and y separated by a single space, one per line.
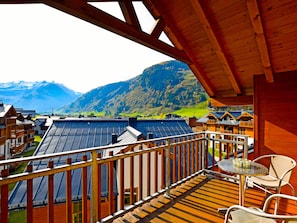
175 37
255 17
216 45
89 13
129 13
158 28
232 101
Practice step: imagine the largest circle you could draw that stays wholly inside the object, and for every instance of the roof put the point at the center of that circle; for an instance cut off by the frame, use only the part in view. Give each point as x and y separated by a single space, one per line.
4 109
74 134
225 43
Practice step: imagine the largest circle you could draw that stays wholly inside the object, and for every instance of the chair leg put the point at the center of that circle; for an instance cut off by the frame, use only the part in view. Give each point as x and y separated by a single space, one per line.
293 190
277 200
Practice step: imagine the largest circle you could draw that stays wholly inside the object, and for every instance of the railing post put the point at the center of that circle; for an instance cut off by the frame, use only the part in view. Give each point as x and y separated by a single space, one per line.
203 151
94 197
50 194
110 184
30 195
4 198
84 191
167 193
245 147
68 193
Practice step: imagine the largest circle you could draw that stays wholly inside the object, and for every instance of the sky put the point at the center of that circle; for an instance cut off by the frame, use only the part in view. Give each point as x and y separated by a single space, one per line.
40 43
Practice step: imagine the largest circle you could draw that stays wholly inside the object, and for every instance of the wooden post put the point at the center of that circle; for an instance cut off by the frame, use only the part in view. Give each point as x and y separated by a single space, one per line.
50 196
110 185
84 192
99 189
30 196
132 178
94 196
68 193
4 198
140 174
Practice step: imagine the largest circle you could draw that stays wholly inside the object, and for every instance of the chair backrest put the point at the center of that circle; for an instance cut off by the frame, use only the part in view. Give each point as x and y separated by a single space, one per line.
281 166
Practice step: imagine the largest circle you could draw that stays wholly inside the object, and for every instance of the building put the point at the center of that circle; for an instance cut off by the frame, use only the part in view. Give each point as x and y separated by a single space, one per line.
233 122
80 133
236 122
16 132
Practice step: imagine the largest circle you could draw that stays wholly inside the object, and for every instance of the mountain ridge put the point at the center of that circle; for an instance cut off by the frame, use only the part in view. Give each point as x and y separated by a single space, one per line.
41 96
161 88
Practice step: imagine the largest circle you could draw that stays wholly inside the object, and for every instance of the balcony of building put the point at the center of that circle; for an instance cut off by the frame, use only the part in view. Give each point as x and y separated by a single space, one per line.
246 124
16 133
173 179
17 148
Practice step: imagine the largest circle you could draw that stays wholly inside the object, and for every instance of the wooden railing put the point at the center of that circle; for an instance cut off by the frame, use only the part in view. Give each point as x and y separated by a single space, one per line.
246 123
144 169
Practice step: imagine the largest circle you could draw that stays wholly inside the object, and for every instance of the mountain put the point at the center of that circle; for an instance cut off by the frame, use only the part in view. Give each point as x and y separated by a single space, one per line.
161 88
40 96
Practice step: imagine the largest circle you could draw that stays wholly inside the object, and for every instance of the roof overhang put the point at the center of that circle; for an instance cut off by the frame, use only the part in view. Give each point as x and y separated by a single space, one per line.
224 43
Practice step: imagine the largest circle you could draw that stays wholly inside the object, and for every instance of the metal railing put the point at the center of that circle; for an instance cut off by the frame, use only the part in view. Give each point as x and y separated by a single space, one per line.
115 178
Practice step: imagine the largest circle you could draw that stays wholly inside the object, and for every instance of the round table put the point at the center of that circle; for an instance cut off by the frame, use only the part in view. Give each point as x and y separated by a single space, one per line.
254 170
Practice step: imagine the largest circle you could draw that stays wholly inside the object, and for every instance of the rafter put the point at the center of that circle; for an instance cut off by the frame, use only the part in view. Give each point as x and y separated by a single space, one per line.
158 28
89 13
174 36
217 46
129 13
255 17
231 101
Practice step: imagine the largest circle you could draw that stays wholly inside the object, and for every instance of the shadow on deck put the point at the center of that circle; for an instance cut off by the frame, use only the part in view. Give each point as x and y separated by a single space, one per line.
196 200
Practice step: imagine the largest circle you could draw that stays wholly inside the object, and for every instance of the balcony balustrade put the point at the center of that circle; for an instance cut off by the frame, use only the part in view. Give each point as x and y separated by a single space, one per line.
246 124
147 169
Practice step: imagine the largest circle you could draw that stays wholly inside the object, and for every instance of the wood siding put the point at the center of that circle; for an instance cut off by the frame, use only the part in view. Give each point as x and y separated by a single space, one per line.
275 116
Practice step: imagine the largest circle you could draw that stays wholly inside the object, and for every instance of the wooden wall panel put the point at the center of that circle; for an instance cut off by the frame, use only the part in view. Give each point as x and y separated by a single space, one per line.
275 116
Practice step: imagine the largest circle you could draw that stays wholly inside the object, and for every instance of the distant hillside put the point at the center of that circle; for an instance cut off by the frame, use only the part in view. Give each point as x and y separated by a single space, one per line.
161 88
40 96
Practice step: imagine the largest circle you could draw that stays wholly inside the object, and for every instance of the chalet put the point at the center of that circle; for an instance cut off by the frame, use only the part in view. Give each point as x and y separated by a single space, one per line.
16 132
75 134
237 122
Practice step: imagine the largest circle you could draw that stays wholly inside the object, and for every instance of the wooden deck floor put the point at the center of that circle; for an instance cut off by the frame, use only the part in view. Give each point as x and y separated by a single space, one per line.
196 200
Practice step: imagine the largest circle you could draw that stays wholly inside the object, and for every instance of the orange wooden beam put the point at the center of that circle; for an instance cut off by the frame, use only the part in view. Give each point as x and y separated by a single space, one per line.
227 66
255 17
89 13
229 101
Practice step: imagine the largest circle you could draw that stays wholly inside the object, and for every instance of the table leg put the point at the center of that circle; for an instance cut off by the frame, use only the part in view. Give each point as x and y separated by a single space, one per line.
241 189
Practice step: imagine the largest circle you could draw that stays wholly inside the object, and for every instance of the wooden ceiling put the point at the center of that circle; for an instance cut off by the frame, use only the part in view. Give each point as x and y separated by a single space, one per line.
225 43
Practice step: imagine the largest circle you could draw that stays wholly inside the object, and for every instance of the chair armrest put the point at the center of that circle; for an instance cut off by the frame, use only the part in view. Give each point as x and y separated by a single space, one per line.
249 214
276 196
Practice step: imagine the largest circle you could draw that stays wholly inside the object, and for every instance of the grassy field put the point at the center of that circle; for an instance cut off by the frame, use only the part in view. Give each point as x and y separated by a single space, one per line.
197 111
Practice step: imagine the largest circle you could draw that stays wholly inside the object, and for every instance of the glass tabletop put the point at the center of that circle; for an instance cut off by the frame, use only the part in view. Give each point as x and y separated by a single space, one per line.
254 169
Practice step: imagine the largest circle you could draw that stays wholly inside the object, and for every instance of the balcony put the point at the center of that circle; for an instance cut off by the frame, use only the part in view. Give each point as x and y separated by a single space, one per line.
249 124
173 178
16 133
